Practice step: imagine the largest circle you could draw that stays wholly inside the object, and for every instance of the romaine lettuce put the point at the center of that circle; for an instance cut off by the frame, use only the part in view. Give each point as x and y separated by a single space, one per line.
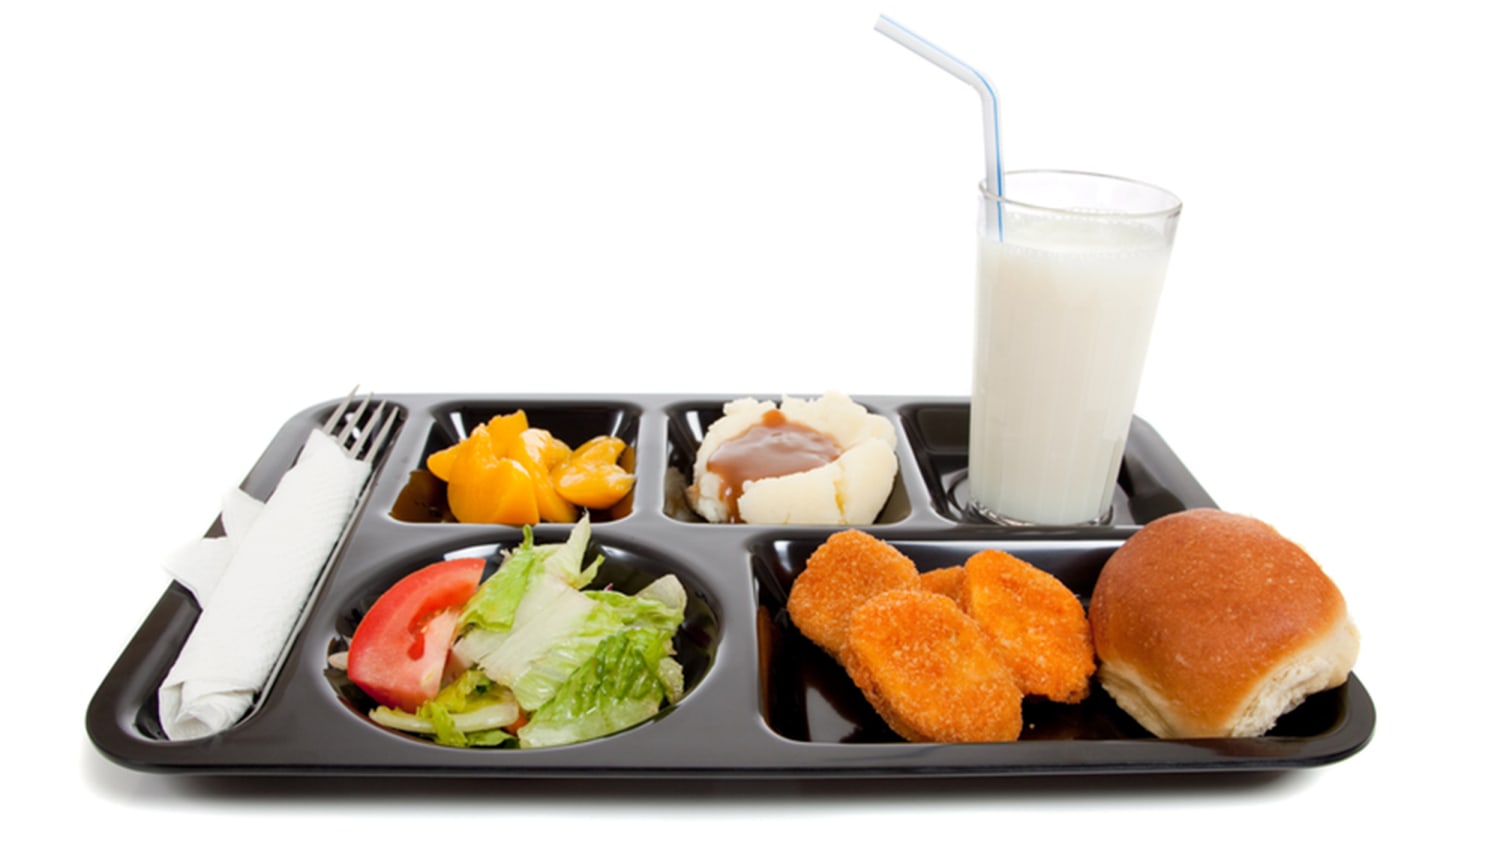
498 600
582 663
471 711
619 686
657 610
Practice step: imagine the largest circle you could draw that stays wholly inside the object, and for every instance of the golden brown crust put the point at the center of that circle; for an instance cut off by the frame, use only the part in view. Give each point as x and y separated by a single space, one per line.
948 582
930 671
1199 608
1038 624
844 572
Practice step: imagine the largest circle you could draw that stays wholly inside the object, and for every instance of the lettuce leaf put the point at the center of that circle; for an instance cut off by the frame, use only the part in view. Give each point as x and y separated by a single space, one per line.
582 663
447 730
471 711
656 610
495 605
551 616
620 686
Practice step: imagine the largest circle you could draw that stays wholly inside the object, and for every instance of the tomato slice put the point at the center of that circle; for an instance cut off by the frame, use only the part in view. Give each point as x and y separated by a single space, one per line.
400 648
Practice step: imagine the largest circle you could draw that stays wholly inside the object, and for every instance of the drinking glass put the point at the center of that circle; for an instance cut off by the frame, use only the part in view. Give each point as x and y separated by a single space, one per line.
1068 284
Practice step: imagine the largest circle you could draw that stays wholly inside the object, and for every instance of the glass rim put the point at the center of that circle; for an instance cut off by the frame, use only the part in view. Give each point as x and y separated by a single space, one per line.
1172 204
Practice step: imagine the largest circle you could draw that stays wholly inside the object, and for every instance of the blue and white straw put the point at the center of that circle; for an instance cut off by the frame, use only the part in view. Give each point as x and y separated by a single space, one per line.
988 101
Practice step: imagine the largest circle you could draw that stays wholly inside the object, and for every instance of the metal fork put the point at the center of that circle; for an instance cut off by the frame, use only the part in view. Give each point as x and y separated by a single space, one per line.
352 429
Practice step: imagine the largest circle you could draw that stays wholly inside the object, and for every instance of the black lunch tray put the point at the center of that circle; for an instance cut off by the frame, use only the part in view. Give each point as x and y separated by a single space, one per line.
761 700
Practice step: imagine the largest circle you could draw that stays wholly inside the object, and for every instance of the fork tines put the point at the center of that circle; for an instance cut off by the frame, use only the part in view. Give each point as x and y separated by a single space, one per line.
352 429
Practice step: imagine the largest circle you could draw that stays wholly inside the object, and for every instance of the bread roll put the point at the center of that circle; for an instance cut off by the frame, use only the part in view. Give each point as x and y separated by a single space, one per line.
1211 624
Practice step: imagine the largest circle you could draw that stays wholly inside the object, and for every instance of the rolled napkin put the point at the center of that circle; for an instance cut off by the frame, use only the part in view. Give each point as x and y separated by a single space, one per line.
252 584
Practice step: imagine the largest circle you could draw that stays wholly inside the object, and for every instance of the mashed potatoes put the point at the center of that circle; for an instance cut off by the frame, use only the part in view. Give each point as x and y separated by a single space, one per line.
824 461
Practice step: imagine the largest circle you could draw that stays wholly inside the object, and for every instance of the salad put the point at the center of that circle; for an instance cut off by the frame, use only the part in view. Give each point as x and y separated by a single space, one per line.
526 657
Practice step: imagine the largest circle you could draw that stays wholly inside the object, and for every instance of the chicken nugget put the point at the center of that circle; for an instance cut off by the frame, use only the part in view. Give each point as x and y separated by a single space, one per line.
1037 623
930 671
947 581
845 571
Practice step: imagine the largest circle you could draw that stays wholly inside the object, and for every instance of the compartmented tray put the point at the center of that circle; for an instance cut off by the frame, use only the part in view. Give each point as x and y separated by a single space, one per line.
761 700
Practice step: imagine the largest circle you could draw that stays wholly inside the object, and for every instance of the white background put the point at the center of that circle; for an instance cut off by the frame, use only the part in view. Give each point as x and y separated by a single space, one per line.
215 215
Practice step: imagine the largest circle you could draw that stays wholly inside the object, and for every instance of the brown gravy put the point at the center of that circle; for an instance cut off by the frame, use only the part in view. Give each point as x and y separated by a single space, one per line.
772 447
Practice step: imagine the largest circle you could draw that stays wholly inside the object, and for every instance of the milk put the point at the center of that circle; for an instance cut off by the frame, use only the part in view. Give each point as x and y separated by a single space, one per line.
1063 319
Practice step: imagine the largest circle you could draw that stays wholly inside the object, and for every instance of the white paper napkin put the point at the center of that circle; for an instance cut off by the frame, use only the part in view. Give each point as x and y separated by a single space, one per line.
252 583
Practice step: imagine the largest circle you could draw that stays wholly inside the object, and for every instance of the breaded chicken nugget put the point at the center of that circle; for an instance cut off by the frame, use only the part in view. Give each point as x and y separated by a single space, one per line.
930 671
845 571
1037 622
947 581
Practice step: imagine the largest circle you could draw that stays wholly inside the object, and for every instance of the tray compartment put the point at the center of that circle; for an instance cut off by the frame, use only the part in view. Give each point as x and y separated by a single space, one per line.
939 438
627 568
807 696
688 422
424 498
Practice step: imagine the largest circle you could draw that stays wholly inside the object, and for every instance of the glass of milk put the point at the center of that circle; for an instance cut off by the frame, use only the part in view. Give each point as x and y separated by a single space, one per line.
1067 289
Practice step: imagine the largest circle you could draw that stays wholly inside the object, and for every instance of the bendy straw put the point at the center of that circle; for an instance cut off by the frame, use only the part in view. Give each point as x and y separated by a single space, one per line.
989 104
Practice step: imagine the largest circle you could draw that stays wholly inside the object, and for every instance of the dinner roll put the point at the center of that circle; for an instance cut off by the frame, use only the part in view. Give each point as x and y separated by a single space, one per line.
1212 624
